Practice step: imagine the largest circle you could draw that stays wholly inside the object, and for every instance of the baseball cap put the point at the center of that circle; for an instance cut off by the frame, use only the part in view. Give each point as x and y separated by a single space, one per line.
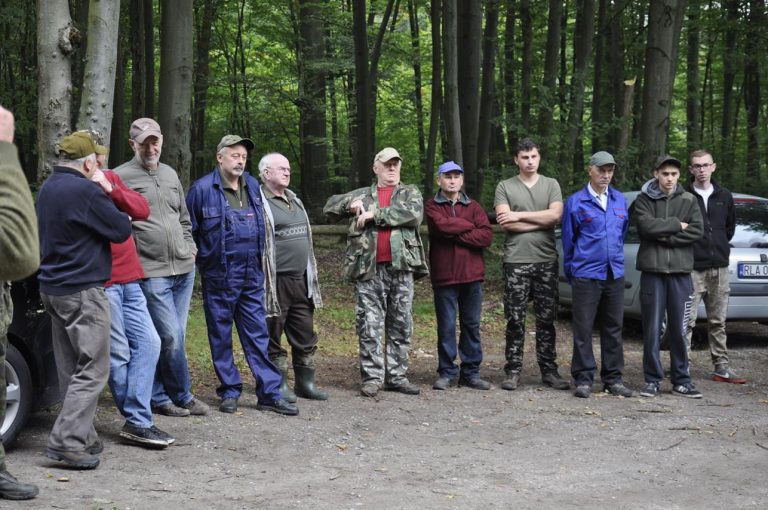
601 158
96 137
386 154
230 140
143 128
449 166
75 146
667 159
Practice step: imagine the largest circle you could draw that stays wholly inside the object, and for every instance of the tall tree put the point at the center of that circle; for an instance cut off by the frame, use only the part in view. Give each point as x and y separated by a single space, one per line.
526 68
176 27
693 133
469 32
452 116
142 58
202 83
488 92
436 95
418 103
57 40
755 27
509 71
547 93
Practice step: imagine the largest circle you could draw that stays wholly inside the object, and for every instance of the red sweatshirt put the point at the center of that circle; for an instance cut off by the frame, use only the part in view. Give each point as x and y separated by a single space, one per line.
126 267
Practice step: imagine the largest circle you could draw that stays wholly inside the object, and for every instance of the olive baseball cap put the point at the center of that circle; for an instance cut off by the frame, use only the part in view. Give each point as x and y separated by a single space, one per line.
75 146
386 154
602 158
230 140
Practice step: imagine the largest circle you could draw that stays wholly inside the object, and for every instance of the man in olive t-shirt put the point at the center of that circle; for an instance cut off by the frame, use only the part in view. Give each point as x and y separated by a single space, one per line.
528 206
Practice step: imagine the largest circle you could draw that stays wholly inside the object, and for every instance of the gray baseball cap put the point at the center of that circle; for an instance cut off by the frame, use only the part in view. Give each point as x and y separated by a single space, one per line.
602 158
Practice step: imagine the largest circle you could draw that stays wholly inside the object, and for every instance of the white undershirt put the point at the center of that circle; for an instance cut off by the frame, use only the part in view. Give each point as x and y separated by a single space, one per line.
705 194
602 198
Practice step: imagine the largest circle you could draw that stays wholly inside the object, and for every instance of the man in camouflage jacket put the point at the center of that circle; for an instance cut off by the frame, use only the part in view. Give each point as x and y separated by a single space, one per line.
384 254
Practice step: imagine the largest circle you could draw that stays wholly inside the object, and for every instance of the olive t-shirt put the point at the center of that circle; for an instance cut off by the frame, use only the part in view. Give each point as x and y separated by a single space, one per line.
538 245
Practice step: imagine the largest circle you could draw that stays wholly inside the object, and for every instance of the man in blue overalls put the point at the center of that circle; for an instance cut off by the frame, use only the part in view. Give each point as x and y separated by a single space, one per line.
228 228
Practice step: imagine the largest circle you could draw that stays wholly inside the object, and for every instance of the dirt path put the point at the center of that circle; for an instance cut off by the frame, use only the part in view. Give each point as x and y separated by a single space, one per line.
532 448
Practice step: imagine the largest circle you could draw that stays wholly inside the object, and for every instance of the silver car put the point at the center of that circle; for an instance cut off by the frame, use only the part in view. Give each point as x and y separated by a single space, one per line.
748 266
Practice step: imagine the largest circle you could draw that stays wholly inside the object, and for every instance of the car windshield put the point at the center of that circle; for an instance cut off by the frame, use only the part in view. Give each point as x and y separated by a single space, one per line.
751 224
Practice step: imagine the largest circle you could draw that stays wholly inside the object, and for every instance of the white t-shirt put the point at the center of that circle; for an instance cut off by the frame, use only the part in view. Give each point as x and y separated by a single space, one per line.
705 194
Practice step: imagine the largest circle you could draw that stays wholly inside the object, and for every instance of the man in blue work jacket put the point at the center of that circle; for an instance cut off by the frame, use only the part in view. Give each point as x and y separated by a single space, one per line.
595 220
228 227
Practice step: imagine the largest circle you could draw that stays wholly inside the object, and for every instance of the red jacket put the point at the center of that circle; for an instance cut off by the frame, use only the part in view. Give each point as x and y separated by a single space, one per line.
126 267
458 233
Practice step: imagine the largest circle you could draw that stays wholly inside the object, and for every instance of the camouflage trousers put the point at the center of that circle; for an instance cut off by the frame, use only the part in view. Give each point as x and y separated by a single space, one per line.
712 286
6 314
523 281
383 322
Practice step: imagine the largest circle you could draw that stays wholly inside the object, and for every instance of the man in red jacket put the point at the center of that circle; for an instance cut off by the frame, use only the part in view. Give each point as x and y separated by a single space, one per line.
459 230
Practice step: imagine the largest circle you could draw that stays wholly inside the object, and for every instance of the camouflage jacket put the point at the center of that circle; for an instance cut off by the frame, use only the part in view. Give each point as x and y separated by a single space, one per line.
403 216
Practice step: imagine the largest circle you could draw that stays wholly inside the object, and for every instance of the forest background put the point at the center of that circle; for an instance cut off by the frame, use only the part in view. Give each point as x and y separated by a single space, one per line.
330 82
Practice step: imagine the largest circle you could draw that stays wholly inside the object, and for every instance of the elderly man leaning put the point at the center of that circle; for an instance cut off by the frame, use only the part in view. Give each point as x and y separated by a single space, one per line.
384 255
77 222
293 291
167 253
19 258
228 227
595 220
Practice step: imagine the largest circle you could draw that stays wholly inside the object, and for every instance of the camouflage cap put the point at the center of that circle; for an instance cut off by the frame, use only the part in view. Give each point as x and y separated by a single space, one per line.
75 146
230 140
386 154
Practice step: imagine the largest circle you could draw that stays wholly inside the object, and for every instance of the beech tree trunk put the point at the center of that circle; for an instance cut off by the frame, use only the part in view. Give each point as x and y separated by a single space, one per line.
361 141
548 92
469 34
413 23
451 81
201 159
142 59
488 93
729 78
509 71
526 26
755 27
436 97
693 133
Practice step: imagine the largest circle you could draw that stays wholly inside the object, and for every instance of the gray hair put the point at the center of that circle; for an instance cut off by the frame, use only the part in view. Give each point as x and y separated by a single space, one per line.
264 162
77 163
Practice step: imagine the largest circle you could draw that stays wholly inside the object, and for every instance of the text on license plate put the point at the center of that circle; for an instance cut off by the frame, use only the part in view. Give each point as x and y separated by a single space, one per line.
753 270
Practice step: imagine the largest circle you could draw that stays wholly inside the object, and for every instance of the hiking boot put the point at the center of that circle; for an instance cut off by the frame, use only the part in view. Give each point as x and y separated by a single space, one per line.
404 386
11 488
142 436
583 391
279 407
443 383
475 383
618 389
369 390
553 380
511 381
228 405
169 409
196 407
96 447
650 390
163 435
724 374
686 390
81 460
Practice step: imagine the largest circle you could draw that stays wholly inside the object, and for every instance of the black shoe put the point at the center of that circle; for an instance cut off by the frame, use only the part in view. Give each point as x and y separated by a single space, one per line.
11 488
279 407
142 436
619 390
163 435
553 380
81 460
228 405
443 383
196 407
511 382
169 409
403 386
475 383
95 448
582 391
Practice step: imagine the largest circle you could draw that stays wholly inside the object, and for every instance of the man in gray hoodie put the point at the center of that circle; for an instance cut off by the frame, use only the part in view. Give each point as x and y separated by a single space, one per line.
669 222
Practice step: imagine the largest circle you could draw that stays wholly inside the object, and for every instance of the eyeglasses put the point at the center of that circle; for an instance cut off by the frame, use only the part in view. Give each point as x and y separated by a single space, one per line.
703 165
283 169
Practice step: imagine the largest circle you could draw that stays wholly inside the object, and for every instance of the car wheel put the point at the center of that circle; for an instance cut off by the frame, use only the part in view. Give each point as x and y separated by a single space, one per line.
18 398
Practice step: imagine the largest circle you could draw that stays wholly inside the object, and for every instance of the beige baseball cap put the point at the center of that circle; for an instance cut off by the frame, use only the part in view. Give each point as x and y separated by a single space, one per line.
386 154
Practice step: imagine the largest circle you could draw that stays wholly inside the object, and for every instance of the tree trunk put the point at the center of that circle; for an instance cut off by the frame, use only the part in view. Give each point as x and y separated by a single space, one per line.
202 73
600 99
488 95
663 35
509 71
547 93
362 143
693 134
469 32
177 21
754 52
142 58
413 23
729 78
119 132
100 67
451 81
526 24
436 97
57 39
373 70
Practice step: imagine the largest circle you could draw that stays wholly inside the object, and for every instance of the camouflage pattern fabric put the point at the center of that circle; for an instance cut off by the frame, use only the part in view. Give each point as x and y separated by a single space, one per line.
384 308
6 314
521 282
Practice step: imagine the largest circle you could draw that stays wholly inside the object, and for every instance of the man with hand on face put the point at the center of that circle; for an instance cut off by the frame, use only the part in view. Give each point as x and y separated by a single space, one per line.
711 255
228 226
167 253
384 255
595 220
459 231
292 288
669 222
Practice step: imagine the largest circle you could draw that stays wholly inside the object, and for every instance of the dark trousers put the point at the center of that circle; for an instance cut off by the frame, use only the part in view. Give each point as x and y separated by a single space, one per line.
604 300
468 299
295 320
673 294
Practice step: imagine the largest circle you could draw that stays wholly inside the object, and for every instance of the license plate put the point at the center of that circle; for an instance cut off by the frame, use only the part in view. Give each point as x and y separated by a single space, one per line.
753 270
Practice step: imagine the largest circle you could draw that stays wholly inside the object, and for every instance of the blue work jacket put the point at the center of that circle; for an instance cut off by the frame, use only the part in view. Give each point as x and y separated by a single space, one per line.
593 239
207 206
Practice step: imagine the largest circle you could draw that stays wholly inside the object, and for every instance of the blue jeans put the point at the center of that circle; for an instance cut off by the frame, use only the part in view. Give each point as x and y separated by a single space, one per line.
168 303
134 351
468 298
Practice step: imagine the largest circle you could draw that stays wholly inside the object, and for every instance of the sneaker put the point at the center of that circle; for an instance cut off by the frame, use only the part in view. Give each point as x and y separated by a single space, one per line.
618 389
11 488
724 374
369 390
686 390
511 382
196 407
169 409
163 435
553 380
280 407
404 386
583 391
475 383
443 383
651 390
80 460
142 436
